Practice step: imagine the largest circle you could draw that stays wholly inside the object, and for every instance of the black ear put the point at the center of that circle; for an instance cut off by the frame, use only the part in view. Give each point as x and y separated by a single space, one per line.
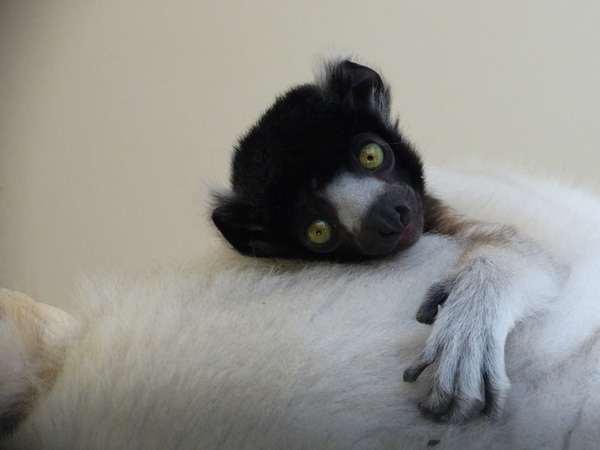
358 85
240 224
364 83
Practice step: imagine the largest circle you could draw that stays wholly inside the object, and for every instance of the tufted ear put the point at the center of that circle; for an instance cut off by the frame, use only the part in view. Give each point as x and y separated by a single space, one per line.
240 223
356 84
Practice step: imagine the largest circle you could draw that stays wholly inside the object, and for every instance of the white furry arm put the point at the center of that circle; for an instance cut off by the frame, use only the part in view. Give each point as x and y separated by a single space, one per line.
500 279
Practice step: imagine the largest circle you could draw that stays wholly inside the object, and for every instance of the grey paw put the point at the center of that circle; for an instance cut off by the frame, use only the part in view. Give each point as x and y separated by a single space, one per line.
467 340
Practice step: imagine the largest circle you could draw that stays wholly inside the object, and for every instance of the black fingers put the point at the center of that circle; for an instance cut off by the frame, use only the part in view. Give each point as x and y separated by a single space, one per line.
492 396
412 373
425 360
436 295
443 415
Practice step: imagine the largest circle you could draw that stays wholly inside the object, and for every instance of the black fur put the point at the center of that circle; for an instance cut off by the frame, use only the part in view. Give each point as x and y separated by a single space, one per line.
436 296
298 146
15 412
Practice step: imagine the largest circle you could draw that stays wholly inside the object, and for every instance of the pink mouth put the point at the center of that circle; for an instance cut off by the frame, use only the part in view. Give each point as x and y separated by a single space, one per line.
408 231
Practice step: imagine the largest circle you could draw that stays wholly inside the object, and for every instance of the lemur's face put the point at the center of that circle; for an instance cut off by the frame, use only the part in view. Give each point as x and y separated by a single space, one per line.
367 208
325 174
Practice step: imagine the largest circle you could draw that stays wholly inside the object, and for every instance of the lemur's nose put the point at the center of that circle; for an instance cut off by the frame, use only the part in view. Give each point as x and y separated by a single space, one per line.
404 213
392 219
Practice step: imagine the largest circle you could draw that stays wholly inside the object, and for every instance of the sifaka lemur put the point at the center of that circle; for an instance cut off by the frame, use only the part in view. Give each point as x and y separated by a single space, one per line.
325 174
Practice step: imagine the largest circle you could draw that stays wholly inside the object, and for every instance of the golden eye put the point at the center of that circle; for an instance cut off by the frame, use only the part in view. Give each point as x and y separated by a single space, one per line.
319 232
371 156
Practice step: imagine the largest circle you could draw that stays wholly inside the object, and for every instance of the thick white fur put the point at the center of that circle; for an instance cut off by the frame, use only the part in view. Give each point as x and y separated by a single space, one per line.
246 353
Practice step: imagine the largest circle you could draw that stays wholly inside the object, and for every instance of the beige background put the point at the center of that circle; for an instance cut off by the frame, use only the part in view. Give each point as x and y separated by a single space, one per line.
115 114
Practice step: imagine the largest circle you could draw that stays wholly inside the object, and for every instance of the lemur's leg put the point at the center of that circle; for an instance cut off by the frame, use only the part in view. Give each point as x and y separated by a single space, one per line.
33 337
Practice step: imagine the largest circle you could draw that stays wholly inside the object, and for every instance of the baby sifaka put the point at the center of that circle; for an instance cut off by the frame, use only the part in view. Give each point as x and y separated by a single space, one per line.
325 173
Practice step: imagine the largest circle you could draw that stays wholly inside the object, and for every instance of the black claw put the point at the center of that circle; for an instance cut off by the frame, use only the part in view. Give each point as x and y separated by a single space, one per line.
411 374
436 296
431 415
490 397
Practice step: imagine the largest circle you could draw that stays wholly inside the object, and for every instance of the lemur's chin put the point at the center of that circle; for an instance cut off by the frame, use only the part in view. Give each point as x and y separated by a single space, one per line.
409 236
410 232
382 243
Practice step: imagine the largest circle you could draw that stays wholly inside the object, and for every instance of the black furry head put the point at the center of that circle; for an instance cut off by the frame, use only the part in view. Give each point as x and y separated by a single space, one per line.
285 169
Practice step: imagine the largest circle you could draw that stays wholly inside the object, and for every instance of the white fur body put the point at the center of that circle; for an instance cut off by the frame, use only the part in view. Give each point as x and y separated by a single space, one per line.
250 353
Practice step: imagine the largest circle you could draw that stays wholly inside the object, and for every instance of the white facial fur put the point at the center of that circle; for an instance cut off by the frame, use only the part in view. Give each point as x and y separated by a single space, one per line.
352 196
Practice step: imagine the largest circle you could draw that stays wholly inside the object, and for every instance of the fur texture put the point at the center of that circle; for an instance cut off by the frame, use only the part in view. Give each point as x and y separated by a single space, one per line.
325 173
286 172
264 353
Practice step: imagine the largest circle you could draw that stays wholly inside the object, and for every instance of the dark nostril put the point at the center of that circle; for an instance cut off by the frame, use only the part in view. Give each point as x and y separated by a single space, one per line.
404 214
390 220
388 217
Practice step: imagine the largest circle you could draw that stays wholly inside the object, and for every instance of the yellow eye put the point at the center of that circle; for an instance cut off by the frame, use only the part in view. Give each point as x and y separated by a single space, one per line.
319 232
371 156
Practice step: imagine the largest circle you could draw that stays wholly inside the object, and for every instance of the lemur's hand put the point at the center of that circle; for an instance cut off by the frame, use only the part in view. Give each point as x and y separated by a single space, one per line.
474 308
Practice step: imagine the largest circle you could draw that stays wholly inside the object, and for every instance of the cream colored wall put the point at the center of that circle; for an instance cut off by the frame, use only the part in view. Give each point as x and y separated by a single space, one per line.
114 114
